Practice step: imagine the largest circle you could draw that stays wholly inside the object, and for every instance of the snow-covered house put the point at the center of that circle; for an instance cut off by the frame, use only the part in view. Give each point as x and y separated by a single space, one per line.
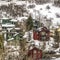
35 53
41 34
6 23
6 20
13 21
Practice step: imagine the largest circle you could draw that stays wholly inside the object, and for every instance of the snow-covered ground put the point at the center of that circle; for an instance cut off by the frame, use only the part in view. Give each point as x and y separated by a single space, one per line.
40 10
36 12
48 13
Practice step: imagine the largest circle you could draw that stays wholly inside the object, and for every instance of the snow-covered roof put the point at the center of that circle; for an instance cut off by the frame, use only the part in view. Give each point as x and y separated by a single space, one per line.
10 39
5 18
12 28
37 42
9 29
13 20
8 25
4 3
20 2
17 28
20 19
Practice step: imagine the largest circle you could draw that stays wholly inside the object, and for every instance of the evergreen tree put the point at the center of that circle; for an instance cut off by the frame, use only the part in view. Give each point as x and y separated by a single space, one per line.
29 23
1 41
56 36
1 44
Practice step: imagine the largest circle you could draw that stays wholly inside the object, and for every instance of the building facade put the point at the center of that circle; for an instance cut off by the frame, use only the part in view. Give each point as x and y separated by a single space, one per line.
41 35
35 53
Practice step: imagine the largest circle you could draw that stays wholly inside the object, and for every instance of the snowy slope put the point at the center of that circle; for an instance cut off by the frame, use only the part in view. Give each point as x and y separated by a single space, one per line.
39 10
49 13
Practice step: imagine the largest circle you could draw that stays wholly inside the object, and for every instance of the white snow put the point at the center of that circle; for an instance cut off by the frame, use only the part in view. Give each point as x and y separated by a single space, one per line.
17 28
39 9
56 21
20 2
57 53
9 29
5 18
16 53
13 20
57 58
8 25
20 19
5 43
51 41
36 42
26 35
4 3
49 13
49 45
57 50
10 39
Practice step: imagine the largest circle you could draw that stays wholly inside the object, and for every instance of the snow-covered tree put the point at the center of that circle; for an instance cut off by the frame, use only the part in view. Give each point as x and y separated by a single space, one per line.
1 44
29 23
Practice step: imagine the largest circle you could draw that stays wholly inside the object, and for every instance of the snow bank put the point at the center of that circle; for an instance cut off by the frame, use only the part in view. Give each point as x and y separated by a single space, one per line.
57 58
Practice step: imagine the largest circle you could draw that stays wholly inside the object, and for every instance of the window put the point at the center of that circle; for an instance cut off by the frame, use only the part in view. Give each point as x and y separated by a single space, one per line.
43 33
34 55
34 51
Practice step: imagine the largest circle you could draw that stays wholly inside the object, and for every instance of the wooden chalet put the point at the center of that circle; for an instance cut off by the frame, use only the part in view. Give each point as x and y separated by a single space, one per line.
35 53
42 34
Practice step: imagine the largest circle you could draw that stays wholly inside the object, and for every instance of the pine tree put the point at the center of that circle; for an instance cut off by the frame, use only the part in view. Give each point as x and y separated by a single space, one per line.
56 36
29 23
1 44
